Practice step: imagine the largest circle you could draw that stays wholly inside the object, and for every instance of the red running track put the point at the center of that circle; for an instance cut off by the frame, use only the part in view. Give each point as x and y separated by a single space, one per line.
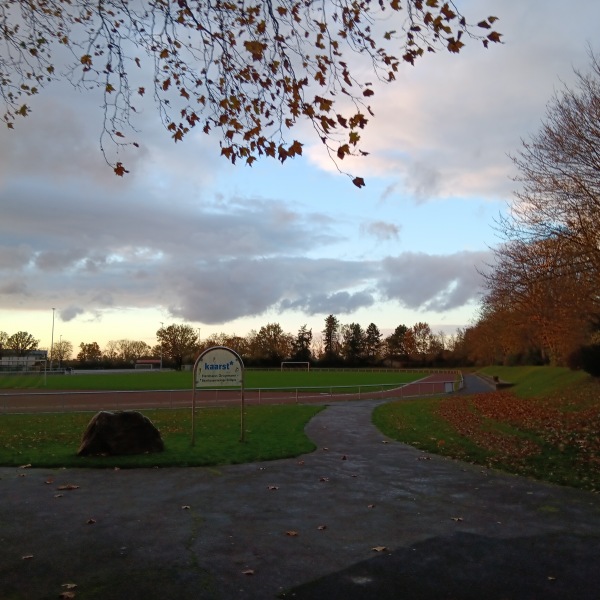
17 401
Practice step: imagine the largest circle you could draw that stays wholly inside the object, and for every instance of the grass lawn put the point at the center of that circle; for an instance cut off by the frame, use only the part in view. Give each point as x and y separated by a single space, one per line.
537 381
178 380
272 432
547 426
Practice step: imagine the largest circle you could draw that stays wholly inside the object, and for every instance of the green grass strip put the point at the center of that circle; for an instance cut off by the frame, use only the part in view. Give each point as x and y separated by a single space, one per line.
272 432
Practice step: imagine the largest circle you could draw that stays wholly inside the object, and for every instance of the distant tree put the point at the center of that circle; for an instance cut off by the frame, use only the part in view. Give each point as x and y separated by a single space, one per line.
373 343
21 343
178 342
62 351
331 344
395 343
248 70
111 351
301 345
271 344
132 350
3 341
89 353
353 344
422 339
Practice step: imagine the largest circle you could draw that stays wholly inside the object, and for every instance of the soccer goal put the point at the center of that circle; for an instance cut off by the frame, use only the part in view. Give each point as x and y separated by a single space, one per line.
291 365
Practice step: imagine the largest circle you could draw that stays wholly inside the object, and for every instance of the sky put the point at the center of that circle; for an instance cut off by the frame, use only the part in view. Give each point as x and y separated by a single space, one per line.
186 237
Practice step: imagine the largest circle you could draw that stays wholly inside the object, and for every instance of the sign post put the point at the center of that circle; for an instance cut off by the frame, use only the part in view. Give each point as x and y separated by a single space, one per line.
218 367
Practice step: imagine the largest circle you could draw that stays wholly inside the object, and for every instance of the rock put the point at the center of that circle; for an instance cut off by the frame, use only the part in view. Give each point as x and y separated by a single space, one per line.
122 432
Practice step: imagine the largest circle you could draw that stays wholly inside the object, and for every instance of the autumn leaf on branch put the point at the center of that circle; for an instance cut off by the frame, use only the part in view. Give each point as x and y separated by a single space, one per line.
246 72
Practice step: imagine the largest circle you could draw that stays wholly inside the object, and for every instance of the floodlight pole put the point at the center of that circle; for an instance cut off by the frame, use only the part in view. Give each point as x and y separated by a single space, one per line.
52 341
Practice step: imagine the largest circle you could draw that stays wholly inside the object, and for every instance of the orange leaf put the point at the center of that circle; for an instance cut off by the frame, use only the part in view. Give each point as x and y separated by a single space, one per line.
120 170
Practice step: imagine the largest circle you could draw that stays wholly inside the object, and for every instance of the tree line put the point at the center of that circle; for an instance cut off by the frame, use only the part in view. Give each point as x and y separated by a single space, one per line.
541 302
337 345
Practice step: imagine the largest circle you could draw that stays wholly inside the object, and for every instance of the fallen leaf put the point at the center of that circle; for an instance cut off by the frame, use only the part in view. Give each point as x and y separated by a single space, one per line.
551 578
300 462
69 586
457 519
324 479
67 595
291 533
322 527
49 481
384 442
248 572
185 507
344 457
68 486
379 549
27 466
273 487
58 495
27 557
371 506
91 521
326 449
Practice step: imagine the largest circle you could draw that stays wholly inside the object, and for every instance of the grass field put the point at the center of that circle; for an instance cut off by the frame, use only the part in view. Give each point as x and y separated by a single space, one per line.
272 432
177 380
51 440
547 426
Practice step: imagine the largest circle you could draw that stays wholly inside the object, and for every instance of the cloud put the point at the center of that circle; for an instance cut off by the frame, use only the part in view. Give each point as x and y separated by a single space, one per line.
381 231
69 313
435 283
337 303
445 128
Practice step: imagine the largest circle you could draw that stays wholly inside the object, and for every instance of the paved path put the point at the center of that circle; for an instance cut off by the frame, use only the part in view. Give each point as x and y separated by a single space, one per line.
445 529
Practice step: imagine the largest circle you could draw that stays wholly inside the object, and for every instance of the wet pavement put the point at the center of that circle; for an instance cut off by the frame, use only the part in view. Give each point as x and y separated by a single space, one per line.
361 517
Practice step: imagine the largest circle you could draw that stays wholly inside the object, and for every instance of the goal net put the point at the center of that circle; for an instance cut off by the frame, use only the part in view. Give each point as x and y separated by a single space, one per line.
288 365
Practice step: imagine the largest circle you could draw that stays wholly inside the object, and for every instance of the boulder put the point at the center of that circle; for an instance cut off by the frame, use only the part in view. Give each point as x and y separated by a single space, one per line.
121 432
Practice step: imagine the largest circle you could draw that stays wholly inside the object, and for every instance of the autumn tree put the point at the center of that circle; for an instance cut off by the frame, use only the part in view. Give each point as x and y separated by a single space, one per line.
249 70
177 342
559 180
541 296
21 343
271 344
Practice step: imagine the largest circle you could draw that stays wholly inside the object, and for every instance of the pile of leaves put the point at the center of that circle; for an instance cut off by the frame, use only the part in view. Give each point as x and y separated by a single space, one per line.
556 438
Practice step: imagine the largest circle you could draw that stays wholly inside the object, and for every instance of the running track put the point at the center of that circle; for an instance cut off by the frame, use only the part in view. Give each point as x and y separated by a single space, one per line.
17 401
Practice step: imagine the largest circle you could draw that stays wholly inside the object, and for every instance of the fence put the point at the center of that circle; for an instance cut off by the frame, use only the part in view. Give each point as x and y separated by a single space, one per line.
82 401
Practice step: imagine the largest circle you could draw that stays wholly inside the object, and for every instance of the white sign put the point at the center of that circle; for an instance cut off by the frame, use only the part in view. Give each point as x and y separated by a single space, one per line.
218 367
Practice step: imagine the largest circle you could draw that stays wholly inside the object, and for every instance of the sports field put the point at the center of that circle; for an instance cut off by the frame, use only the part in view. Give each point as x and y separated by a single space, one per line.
177 380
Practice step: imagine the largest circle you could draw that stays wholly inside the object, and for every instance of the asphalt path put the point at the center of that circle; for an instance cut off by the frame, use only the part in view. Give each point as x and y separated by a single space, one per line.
361 517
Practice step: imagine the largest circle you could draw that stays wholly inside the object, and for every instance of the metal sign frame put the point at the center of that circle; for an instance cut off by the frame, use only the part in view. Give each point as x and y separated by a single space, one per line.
224 367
